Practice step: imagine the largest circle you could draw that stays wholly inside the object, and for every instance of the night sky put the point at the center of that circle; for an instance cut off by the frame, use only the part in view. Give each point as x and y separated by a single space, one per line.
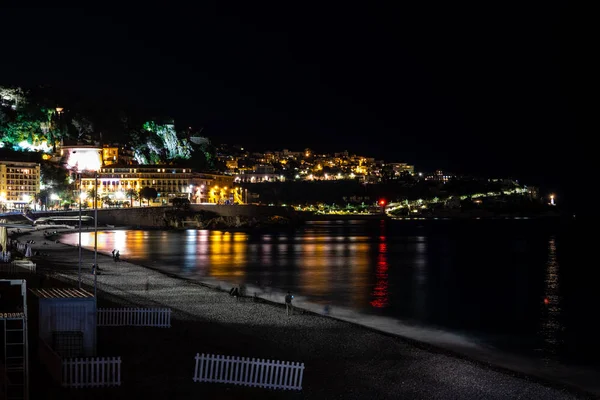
464 88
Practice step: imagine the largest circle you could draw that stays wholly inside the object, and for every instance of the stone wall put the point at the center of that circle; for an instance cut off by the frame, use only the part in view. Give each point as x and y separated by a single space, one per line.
154 217
245 210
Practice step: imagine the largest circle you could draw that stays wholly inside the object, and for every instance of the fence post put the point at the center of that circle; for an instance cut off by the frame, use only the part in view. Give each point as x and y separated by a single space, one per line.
221 368
76 367
225 371
197 370
271 367
236 365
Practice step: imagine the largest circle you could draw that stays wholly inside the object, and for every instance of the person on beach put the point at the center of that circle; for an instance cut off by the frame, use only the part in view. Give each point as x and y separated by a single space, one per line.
289 309
117 256
113 253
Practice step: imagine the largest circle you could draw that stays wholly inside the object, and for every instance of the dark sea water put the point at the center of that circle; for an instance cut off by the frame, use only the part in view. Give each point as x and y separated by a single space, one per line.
517 285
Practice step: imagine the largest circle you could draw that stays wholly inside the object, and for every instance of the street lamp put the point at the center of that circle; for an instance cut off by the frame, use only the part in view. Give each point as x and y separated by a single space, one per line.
89 165
79 244
95 233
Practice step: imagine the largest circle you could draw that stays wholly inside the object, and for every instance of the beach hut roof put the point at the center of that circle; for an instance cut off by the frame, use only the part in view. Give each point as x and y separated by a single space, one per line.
61 293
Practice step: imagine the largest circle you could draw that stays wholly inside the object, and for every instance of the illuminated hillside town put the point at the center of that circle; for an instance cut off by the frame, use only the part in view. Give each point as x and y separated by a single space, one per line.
53 158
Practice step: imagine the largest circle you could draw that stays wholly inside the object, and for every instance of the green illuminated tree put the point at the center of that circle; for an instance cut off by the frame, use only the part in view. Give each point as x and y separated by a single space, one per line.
25 120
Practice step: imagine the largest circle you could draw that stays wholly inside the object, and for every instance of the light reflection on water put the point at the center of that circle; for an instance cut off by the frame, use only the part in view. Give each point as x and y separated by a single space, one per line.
480 280
551 326
314 263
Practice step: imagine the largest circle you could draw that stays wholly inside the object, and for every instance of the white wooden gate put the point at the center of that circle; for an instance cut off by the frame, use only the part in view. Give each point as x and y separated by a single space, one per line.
156 317
249 372
91 372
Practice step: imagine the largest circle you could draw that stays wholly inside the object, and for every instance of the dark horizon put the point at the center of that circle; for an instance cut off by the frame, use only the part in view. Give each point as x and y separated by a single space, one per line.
468 90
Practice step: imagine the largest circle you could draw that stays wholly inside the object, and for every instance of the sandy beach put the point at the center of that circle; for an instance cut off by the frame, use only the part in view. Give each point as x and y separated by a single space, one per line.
342 359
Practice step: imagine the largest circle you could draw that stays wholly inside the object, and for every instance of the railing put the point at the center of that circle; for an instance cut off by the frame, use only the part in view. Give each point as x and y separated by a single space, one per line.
155 317
268 374
91 372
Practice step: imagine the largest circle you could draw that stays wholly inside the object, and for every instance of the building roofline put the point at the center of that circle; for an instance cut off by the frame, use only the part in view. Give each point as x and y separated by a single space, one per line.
19 162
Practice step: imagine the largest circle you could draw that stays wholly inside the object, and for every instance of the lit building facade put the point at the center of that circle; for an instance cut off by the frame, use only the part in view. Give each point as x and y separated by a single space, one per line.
110 155
116 155
82 158
116 181
19 183
216 188
260 173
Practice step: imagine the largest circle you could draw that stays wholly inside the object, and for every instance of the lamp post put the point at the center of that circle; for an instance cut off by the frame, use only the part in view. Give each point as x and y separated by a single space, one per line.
88 167
79 264
95 233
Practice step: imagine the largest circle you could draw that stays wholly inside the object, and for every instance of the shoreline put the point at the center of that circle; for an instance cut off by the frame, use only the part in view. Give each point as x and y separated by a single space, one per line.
375 324
441 217
496 360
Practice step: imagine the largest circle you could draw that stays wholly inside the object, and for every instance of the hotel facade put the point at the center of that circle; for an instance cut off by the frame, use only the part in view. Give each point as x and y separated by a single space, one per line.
19 183
115 181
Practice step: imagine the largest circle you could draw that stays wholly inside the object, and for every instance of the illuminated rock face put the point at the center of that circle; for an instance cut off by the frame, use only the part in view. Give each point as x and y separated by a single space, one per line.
84 158
162 145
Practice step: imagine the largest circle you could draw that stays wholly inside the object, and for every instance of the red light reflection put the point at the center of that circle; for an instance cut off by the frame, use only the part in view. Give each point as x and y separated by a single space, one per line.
380 292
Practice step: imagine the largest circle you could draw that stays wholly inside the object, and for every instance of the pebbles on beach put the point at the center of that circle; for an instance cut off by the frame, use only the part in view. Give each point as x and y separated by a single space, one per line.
342 360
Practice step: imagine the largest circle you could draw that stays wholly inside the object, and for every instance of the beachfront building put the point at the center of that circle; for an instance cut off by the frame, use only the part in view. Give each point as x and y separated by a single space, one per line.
221 189
113 154
19 184
116 183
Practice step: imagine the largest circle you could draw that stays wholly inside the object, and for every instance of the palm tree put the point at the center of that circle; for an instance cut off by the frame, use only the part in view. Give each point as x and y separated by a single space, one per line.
91 194
132 194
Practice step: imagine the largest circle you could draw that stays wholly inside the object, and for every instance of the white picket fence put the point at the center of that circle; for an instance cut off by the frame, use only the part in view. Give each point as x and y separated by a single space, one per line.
249 372
91 372
156 317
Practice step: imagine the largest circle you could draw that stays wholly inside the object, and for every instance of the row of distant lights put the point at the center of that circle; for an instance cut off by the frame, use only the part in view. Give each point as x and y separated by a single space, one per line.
311 177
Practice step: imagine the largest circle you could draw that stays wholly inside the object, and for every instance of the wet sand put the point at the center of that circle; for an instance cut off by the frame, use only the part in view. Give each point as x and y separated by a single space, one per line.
342 360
